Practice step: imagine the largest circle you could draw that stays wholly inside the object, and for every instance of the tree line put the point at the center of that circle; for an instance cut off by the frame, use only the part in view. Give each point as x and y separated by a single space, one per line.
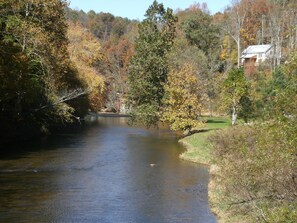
56 64
41 44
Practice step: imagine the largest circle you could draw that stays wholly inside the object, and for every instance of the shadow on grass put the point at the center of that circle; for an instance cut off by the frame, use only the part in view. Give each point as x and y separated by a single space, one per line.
216 121
199 131
194 131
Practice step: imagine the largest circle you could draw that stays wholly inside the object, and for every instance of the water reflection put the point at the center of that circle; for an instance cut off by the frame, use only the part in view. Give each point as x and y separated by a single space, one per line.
103 174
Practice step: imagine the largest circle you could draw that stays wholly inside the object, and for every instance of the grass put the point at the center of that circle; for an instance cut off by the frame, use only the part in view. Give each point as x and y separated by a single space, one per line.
198 148
199 151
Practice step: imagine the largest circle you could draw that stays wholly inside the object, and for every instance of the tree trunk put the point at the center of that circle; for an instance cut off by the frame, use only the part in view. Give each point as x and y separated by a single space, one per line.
210 108
262 29
238 51
234 115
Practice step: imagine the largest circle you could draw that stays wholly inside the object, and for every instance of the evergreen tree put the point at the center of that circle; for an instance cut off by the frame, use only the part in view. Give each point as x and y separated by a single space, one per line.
149 67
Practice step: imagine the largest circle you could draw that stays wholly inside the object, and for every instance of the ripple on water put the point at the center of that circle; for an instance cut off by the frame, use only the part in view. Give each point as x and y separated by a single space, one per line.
106 173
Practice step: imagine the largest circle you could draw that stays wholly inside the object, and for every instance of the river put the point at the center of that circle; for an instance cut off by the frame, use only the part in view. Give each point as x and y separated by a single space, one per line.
105 172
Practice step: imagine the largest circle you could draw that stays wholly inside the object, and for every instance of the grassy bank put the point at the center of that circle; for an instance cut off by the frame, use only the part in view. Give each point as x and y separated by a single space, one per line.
252 169
198 149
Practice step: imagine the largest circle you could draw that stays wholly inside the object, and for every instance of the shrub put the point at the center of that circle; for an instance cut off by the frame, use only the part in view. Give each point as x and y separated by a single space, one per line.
256 172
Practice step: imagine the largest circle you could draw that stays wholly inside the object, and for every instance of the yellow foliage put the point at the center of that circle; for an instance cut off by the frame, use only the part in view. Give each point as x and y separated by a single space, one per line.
83 45
85 51
224 53
229 51
183 100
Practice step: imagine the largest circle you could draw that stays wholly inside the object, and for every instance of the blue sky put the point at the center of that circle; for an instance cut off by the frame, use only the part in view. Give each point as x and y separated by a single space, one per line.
135 9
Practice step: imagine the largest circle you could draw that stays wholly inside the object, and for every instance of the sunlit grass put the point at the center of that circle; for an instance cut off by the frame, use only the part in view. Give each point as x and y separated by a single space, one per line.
198 148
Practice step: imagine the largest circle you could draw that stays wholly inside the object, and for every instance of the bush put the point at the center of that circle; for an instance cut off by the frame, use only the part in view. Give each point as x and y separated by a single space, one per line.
256 172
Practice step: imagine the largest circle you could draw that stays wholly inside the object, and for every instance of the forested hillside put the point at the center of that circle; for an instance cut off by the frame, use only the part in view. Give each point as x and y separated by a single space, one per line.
116 37
57 64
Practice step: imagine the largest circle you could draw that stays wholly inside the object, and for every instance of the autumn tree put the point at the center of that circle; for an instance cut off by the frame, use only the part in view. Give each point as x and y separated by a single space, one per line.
183 100
228 52
149 67
277 29
255 28
116 36
104 26
203 34
291 22
85 54
118 55
233 24
37 80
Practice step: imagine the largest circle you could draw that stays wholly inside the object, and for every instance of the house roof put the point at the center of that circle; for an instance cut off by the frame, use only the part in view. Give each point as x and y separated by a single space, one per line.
255 49
250 55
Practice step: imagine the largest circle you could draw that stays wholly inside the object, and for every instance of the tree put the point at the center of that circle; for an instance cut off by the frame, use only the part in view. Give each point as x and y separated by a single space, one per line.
85 54
118 55
202 34
234 92
37 80
277 20
235 17
149 67
254 27
183 100
200 31
101 25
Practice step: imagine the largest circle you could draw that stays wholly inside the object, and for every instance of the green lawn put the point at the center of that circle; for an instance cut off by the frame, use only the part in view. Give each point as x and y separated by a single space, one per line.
198 148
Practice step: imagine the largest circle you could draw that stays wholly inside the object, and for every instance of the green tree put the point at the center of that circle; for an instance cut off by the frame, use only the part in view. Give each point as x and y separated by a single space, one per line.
247 108
149 67
268 91
234 89
183 100
200 32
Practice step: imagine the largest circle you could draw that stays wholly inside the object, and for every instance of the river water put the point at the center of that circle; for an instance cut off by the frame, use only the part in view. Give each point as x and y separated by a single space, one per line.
106 172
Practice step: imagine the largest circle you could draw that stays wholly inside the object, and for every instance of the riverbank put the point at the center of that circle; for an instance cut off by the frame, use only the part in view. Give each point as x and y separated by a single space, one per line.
252 174
198 148
199 151
108 114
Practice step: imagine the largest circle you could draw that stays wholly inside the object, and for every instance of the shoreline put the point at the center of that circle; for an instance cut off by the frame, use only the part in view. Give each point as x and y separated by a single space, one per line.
196 154
198 150
109 114
202 156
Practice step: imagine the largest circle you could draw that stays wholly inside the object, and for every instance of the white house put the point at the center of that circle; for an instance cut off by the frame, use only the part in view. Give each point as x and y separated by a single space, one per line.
256 54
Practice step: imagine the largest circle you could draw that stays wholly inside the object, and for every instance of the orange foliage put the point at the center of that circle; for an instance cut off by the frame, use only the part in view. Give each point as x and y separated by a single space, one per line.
254 21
